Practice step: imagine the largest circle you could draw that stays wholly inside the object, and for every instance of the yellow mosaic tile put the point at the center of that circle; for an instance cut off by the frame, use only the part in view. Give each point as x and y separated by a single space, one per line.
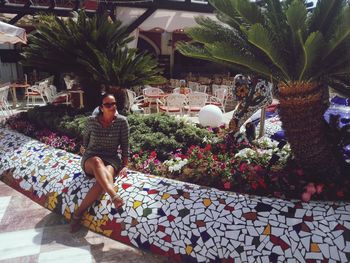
267 230
165 196
314 247
207 202
189 249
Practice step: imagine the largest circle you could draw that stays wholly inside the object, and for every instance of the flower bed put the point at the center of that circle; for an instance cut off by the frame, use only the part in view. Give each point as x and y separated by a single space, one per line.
262 167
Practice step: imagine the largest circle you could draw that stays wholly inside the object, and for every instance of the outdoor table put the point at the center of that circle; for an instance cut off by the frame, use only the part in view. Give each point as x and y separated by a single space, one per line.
13 87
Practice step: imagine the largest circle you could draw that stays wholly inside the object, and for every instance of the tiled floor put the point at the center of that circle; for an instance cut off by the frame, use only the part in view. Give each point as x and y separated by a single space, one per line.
31 233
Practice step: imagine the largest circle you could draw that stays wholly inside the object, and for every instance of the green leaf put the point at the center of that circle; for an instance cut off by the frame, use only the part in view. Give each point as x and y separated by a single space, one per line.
296 16
228 53
313 49
259 37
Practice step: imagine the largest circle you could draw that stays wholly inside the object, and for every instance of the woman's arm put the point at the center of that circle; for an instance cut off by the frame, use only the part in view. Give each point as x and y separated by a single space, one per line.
86 136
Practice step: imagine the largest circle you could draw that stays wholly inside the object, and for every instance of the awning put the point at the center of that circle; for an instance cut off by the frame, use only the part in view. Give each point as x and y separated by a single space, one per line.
168 20
12 34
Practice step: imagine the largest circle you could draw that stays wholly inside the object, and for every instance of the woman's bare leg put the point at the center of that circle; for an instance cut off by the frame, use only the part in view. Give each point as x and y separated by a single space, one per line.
104 176
94 193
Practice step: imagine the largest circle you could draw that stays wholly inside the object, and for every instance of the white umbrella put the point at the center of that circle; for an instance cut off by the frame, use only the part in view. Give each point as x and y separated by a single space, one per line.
12 34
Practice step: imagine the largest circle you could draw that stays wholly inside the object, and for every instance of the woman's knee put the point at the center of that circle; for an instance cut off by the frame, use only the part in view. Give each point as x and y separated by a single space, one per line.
95 162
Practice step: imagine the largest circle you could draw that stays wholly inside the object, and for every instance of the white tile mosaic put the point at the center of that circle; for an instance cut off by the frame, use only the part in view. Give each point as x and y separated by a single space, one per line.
199 226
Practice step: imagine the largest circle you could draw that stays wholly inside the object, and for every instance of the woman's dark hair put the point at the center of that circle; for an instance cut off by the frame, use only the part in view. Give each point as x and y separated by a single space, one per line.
102 97
105 95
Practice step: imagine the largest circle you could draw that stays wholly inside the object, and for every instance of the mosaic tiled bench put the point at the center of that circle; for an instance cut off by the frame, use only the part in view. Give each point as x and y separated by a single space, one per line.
186 222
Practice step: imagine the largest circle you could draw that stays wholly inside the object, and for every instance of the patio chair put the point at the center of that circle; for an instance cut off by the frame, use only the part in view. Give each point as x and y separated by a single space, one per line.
173 104
36 92
193 85
4 105
54 97
69 82
214 87
152 96
195 102
137 104
219 98
200 88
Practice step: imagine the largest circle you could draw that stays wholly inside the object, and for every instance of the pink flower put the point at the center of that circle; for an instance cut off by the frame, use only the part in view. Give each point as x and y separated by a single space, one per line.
306 196
310 188
227 185
319 188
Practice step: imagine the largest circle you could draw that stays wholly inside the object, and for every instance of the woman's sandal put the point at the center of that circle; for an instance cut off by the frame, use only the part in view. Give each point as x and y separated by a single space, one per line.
117 201
75 224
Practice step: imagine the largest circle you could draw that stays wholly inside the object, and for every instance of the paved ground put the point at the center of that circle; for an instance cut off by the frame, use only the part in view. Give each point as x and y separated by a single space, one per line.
31 233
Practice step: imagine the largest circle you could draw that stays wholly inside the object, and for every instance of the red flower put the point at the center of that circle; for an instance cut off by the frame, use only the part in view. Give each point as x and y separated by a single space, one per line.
254 185
243 167
227 185
340 193
258 168
207 147
153 154
306 197
199 156
277 194
262 183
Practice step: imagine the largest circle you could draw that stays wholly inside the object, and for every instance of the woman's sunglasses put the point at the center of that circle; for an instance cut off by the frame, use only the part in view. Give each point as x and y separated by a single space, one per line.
109 105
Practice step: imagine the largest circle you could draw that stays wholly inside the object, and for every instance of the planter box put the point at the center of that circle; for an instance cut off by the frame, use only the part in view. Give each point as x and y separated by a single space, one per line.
186 222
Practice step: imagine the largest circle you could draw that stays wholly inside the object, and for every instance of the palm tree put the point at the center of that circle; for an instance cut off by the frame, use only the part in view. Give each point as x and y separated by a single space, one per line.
303 53
87 47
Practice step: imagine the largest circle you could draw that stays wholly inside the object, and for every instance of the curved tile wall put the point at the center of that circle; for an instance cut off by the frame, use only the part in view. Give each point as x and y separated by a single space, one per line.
186 222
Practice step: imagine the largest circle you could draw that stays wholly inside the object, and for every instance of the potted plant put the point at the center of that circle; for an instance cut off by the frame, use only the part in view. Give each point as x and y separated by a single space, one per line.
121 69
61 45
303 53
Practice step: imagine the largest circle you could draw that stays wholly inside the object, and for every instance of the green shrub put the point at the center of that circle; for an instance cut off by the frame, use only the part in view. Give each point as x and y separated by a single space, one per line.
163 134
56 118
73 126
156 132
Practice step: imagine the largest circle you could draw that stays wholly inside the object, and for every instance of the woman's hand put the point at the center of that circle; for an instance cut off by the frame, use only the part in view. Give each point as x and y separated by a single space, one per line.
82 150
123 172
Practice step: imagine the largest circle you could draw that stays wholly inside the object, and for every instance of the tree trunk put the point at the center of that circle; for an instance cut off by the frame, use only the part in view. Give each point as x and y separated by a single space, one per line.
92 94
301 111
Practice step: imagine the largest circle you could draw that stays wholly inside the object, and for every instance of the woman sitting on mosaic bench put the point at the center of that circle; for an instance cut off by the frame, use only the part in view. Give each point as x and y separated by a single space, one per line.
102 136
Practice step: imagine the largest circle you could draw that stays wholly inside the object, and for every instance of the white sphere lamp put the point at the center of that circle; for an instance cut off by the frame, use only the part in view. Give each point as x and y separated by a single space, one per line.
210 115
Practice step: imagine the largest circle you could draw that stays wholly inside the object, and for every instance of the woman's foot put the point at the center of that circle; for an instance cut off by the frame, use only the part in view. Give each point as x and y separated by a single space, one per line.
75 223
117 201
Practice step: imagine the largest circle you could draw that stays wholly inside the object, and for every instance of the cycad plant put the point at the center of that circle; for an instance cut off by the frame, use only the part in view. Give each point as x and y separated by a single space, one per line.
86 45
121 69
303 53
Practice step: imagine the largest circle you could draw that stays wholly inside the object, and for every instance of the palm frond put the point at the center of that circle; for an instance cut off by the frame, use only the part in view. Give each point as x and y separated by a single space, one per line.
324 16
259 37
